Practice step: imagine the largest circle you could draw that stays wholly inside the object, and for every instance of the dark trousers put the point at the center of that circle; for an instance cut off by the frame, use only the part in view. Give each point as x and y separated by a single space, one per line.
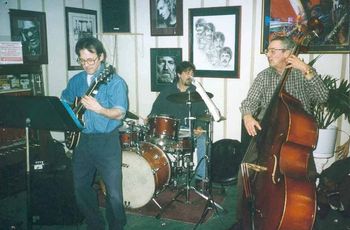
99 152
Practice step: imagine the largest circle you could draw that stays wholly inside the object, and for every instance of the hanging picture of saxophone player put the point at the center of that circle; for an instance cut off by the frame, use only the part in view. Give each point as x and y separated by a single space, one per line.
287 17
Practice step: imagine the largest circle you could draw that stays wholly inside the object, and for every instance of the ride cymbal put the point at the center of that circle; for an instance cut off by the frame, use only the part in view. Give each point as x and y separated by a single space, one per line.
132 116
184 97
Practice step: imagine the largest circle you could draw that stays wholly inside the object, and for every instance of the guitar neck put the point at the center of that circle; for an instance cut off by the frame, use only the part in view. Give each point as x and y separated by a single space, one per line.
79 109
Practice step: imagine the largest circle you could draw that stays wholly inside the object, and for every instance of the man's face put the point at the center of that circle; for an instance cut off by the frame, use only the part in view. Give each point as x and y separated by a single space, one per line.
185 78
163 9
166 68
30 34
225 58
218 43
277 55
86 56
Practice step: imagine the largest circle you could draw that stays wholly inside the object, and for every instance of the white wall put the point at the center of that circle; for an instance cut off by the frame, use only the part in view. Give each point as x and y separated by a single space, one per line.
131 54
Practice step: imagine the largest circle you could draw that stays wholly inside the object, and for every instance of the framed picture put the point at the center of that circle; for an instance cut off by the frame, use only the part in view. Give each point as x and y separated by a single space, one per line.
166 17
214 41
79 23
29 27
284 17
163 66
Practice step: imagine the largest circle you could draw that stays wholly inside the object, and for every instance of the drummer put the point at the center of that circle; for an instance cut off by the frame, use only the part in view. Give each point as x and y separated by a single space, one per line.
178 108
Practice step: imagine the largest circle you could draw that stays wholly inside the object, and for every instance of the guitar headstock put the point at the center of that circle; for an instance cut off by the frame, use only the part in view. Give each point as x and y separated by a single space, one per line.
105 74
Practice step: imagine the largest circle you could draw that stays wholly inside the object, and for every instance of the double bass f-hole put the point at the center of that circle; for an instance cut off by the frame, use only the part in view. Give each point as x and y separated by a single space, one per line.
273 175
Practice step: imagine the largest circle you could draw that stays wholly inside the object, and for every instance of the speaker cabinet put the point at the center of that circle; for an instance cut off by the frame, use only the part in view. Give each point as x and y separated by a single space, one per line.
52 197
115 15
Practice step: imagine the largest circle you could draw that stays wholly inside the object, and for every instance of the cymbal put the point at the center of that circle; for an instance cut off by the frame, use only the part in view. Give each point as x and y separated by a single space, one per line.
207 118
184 97
132 116
204 117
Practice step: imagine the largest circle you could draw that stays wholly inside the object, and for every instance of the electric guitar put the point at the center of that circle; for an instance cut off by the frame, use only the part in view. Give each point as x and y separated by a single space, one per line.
72 138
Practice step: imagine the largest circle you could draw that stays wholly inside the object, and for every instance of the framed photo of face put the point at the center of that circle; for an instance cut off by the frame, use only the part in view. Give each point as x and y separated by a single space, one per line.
79 23
163 66
29 27
166 17
287 18
214 46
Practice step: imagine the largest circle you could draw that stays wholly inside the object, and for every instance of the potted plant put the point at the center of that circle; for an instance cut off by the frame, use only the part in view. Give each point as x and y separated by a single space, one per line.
327 113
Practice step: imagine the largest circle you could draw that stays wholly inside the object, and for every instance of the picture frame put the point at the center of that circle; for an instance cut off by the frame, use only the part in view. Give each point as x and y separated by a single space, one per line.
79 23
166 17
213 45
284 18
163 66
29 27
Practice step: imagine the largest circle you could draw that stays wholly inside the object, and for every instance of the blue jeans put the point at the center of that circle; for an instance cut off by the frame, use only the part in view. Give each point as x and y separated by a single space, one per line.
201 157
99 152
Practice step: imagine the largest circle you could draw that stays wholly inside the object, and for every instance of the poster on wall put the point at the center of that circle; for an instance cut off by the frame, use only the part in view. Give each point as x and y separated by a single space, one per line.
294 18
79 23
214 46
29 27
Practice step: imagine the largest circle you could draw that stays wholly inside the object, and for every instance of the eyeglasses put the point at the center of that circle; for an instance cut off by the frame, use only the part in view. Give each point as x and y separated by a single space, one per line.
272 50
89 61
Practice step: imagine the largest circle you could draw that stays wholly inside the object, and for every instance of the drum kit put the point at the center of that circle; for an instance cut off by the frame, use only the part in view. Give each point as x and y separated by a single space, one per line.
157 155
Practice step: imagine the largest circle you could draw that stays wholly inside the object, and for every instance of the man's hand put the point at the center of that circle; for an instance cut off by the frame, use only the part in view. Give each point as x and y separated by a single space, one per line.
91 103
251 124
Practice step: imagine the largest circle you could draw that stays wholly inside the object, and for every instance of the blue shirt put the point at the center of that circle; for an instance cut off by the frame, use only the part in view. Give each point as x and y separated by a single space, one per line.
111 94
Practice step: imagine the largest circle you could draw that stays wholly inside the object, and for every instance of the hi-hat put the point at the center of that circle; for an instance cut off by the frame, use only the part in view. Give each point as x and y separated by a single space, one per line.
184 97
132 116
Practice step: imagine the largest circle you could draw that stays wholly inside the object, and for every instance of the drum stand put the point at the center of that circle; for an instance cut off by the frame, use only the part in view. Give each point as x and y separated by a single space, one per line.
188 164
210 204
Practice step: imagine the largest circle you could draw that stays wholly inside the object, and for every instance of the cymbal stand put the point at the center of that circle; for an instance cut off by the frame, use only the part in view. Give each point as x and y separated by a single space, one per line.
210 204
188 165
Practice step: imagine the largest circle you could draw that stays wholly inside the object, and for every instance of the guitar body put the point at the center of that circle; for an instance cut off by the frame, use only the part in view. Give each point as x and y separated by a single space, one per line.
72 138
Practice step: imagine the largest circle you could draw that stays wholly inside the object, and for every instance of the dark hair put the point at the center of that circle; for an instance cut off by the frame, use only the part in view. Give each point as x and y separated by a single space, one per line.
185 66
92 44
287 42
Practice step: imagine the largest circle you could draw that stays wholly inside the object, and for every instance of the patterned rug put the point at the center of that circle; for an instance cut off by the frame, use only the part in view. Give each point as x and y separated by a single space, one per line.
186 209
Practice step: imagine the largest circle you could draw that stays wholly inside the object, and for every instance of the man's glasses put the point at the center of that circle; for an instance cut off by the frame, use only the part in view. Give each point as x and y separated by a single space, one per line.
89 61
272 50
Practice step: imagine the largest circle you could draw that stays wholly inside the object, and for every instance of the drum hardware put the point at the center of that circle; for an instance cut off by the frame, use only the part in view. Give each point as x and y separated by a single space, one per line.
211 204
188 158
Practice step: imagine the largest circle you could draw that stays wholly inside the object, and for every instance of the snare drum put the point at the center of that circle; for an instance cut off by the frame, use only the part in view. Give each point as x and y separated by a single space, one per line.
145 174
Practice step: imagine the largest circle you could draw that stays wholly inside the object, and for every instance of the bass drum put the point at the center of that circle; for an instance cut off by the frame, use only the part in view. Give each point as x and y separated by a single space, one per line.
145 174
226 158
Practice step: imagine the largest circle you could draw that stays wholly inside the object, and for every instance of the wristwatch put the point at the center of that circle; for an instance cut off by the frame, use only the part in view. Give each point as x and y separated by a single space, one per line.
310 73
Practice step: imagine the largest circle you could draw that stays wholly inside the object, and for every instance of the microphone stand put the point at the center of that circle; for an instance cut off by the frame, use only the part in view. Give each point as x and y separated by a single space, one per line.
214 115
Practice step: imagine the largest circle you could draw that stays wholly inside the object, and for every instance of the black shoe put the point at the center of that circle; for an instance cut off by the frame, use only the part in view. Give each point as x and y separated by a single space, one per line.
236 226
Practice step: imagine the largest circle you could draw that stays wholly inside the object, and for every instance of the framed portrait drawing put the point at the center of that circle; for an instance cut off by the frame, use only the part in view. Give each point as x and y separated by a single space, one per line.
284 17
166 17
79 23
214 41
29 27
163 66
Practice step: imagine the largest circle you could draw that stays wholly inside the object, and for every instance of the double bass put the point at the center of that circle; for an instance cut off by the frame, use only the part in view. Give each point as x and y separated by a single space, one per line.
279 194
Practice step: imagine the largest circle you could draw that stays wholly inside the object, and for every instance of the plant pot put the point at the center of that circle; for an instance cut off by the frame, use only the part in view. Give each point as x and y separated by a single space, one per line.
326 143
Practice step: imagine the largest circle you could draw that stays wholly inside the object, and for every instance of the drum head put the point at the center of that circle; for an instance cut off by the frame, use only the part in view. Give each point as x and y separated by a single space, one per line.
138 180
226 158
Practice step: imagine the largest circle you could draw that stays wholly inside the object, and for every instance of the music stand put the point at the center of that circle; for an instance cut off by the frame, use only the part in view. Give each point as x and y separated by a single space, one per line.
35 112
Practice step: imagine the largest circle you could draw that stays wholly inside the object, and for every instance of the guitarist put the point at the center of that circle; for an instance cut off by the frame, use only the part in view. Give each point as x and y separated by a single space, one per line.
303 83
98 148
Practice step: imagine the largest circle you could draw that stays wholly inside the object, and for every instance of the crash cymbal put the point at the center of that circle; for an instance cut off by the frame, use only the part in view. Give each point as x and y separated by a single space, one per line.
204 117
132 116
207 118
184 97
